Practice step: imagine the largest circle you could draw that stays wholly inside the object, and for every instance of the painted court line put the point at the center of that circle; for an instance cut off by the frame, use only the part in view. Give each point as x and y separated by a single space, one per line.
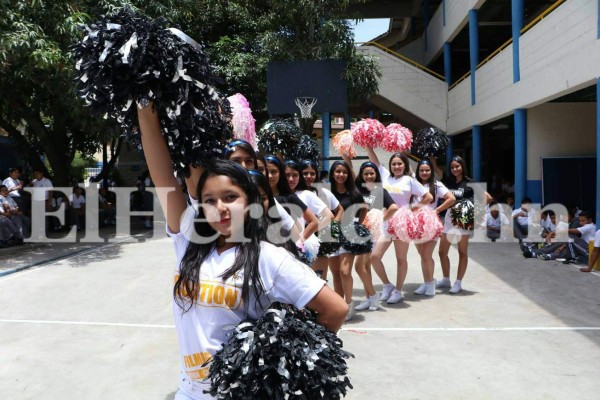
356 329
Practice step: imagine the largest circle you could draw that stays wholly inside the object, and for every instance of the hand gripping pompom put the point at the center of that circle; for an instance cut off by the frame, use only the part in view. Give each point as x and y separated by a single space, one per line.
403 225
279 136
286 354
357 238
368 132
127 60
333 244
374 222
397 139
343 143
430 142
244 124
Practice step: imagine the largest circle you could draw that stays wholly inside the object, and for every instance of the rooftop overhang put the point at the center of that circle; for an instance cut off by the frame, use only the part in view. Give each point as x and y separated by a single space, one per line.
382 9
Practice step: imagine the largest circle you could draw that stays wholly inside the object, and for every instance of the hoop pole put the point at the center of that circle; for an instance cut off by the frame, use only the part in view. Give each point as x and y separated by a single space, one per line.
326 128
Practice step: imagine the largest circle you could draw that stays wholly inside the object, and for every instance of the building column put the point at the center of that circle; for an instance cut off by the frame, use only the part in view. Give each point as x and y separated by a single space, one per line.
597 152
520 155
326 129
347 121
477 153
518 14
448 63
473 49
444 12
372 114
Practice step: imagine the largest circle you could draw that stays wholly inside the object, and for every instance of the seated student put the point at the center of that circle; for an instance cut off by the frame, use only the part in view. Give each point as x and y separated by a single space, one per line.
522 219
78 207
494 222
547 222
10 232
550 245
13 212
577 249
595 254
106 207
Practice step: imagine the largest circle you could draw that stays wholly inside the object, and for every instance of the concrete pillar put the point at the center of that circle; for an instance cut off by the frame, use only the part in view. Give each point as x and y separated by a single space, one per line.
518 15
449 151
477 153
347 121
473 49
448 63
372 114
520 155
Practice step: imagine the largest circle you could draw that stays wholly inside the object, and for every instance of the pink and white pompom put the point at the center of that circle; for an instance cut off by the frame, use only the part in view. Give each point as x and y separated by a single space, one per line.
397 138
343 142
404 225
368 132
430 226
374 222
244 124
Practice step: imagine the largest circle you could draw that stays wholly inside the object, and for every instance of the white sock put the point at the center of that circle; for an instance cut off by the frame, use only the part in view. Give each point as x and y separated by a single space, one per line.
458 281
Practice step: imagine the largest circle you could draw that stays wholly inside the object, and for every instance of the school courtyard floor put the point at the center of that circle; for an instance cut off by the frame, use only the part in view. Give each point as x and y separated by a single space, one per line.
97 324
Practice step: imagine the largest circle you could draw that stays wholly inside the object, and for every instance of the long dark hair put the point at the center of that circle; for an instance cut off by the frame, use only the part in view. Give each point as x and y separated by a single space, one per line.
248 251
359 178
314 165
404 159
297 167
242 145
351 188
431 181
282 185
463 166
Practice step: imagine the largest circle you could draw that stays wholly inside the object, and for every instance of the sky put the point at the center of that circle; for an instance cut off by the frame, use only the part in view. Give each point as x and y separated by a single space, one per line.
370 28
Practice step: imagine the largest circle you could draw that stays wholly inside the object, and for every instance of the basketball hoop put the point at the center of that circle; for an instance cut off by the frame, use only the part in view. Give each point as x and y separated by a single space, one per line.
305 104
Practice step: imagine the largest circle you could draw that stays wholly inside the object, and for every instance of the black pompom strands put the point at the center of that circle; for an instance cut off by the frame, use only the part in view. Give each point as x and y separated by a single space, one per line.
357 238
127 60
329 247
279 136
286 354
430 142
308 149
462 215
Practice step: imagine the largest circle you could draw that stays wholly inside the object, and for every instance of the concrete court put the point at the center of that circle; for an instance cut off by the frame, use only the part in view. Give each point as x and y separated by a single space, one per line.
98 325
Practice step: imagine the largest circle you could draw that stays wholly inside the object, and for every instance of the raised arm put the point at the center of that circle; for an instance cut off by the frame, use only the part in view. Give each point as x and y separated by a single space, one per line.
372 156
171 197
349 162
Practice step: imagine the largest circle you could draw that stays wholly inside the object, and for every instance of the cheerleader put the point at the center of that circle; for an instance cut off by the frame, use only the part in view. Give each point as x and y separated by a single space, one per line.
252 272
457 182
439 192
369 183
309 173
304 218
401 186
345 190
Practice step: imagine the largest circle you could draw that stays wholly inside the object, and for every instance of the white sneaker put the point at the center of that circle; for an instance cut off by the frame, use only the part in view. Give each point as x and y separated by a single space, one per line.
430 288
443 283
351 311
395 297
363 306
374 302
388 288
456 288
421 289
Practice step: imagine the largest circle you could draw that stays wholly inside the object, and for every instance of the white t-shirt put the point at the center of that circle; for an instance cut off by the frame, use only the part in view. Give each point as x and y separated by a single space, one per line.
312 201
329 198
40 195
587 232
523 221
440 192
202 330
77 201
287 222
495 222
401 189
11 183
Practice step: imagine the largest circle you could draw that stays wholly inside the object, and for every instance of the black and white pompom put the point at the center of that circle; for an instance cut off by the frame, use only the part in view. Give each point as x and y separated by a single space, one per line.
279 136
126 60
286 354
430 142
308 149
462 215
357 238
332 244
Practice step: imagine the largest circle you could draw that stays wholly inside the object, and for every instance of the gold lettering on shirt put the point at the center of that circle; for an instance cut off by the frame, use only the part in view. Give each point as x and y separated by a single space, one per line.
215 294
193 365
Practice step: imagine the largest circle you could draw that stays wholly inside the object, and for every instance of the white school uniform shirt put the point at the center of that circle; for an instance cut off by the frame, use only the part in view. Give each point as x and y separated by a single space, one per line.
77 201
312 201
330 200
440 192
401 189
523 220
40 195
495 222
587 232
11 183
203 329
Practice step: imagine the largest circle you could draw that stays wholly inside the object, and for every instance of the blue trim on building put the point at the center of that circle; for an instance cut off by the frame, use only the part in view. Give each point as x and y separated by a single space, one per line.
347 121
449 150
448 62
326 124
371 114
520 155
534 191
444 12
598 151
598 33
477 153
518 15
473 49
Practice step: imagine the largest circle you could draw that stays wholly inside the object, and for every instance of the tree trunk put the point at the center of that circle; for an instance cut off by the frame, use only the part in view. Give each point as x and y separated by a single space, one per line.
107 165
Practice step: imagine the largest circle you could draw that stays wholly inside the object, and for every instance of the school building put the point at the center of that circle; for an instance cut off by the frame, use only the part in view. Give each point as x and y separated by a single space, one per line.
514 83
